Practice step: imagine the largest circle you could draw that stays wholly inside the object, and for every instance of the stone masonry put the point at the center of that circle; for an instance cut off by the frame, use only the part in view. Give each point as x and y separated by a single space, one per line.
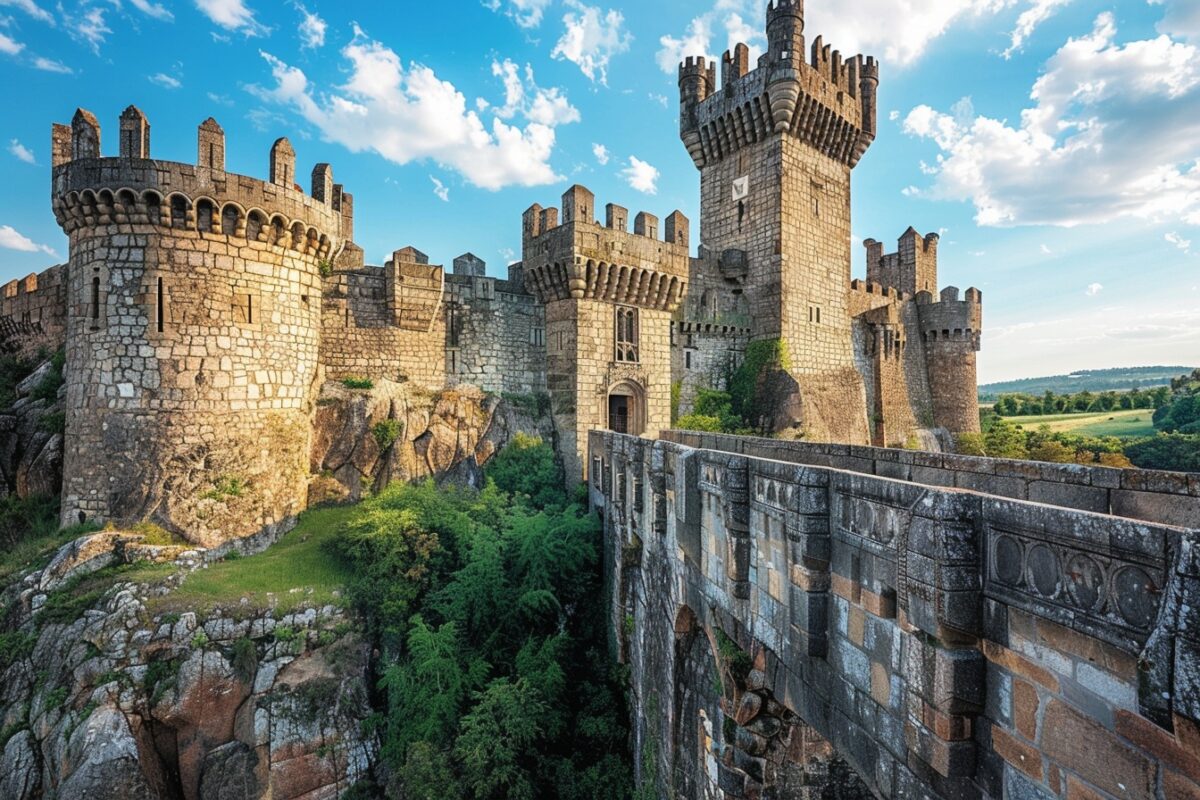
947 643
775 147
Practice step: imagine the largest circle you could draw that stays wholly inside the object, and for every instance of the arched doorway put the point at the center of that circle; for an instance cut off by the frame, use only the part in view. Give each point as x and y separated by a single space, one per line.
626 408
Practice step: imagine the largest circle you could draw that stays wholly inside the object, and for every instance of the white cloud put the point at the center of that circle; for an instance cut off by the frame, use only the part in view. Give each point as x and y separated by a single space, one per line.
641 176
522 95
219 99
661 99
1182 18
1035 15
508 254
50 65
1046 250
601 153
232 15
10 46
440 189
31 8
13 240
1174 238
591 38
1094 289
89 26
312 28
409 113
1113 133
164 80
726 16
21 152
526 13
155 10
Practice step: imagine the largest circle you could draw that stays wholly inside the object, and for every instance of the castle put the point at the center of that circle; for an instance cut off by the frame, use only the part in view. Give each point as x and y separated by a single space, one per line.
201 311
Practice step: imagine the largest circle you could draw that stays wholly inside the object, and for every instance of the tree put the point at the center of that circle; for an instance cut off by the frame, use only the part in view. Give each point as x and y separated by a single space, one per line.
1176 452
526 469
1005 440
497 740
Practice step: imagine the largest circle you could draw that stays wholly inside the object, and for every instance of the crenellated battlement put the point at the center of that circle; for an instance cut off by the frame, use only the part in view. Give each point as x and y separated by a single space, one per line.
828 102
579 258
911 269
131 189
949 319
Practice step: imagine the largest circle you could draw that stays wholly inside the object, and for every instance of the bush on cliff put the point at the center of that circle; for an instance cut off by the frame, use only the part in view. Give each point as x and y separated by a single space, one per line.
491 638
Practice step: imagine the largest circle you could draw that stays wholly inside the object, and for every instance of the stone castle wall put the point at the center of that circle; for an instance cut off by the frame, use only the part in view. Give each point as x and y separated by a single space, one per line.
495 335
360 337
946 643
33 312
193 324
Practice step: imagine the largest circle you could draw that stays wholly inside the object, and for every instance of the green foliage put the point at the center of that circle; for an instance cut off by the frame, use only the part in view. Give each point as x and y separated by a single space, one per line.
1005 440
745 384
200 639
1181 413
696 422
68 603
56 697
712 412
354 382
535 404
14 646
676 394
734 657
225 487
160 678
526 468
1175 451
157 535
244 659
387 432
13 370
54 422
1120 379
325 268
23 519
482 605
48 386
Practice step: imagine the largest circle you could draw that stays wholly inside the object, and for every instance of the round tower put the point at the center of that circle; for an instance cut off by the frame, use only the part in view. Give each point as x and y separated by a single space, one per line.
193 326
785 55
950 330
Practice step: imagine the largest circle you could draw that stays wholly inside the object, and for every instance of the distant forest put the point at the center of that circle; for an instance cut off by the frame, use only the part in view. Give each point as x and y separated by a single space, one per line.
1088 380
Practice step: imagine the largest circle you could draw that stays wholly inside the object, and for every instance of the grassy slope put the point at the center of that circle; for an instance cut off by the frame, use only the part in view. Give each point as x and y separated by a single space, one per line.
1132 423
296 561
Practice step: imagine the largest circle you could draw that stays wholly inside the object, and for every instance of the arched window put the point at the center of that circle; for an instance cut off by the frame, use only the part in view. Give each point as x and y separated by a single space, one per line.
626 324
229 219
179 209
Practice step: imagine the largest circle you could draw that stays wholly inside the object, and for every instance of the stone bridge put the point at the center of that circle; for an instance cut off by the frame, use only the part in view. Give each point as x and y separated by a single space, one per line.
798 625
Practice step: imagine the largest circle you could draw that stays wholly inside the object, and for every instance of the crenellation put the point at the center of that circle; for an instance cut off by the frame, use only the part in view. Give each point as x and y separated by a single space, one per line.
283 163
135 134
210 146
322 184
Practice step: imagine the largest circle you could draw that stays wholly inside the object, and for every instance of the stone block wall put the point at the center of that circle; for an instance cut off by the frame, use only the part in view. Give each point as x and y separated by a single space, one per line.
360 337
495 335
33 312
1169 498
947 643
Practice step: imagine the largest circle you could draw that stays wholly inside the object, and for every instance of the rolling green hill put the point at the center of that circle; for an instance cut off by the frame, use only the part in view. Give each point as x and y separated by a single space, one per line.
1092 380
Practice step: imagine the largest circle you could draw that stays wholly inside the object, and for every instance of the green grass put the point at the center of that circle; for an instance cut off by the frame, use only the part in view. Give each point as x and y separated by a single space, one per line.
1129 424
297 560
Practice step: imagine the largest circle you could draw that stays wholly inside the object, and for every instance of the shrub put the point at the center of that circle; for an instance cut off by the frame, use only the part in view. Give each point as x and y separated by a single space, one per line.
1175 451
355 382
387 432
526 468
200 639
56 697
244 659
969 444
1005 440
54 422
325 268
226 486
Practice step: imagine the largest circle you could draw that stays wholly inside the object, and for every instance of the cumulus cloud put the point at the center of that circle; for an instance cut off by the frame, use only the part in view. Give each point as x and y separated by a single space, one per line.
11 239
591 38
523 96
526 13
87 25
440 189
164 80
232 15
1027 22
601 153
721 27
21 152
641 176
407 113
1094 289
31 8
312 28
1113 133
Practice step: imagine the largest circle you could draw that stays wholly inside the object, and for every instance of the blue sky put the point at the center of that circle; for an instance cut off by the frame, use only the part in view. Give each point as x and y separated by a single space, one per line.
1054 143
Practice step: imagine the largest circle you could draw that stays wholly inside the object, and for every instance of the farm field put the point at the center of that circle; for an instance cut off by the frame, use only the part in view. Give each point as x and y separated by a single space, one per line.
1126 424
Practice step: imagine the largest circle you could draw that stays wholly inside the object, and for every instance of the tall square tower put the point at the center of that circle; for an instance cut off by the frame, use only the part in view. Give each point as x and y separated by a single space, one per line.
775 147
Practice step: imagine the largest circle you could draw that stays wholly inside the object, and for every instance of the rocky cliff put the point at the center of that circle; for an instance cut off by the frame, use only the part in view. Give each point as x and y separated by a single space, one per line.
122 702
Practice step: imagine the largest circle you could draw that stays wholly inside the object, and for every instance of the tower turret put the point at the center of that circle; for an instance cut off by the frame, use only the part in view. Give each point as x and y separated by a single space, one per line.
696 82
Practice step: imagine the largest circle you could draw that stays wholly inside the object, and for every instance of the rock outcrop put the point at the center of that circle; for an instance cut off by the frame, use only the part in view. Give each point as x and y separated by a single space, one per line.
365 439
124 704
31 437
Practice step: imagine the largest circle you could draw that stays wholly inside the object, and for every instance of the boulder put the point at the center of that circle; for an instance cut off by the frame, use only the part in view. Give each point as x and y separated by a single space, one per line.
230 772
20 778
105 756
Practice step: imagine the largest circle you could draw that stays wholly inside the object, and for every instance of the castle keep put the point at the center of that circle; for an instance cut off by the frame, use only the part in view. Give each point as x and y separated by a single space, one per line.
202 311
